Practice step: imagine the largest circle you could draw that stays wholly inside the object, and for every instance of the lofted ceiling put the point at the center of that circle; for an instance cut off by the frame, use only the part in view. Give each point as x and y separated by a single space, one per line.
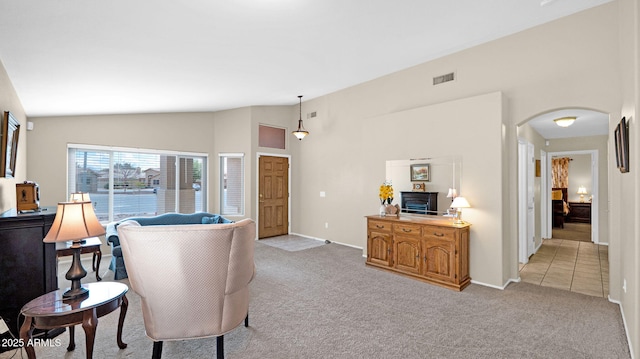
76 57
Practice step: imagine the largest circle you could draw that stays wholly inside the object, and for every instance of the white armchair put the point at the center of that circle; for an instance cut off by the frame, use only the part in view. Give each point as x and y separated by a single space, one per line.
193 280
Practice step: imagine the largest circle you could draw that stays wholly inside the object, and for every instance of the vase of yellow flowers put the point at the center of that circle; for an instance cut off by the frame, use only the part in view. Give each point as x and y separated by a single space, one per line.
386 197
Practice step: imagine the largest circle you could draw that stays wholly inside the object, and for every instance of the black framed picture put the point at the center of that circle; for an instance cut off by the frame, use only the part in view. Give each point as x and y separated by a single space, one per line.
621 138
421 172
9 145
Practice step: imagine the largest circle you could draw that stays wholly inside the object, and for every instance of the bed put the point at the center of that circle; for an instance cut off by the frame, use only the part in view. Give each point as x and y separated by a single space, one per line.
560 206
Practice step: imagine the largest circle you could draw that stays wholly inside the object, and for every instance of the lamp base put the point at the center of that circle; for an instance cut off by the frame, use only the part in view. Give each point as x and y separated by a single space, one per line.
458 217
77 293
75 274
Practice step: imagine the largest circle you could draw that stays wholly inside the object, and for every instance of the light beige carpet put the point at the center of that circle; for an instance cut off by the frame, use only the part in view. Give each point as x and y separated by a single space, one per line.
325 303
573 231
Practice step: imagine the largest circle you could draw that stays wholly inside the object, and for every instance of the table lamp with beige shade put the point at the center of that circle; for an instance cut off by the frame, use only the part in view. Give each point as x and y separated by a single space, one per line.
458 203
582 190
75 221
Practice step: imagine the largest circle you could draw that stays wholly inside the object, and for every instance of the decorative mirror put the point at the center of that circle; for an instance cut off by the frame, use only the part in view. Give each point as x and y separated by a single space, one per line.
425 186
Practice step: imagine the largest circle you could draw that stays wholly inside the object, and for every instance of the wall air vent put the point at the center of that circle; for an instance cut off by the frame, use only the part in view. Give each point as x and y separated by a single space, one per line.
311 114
444 78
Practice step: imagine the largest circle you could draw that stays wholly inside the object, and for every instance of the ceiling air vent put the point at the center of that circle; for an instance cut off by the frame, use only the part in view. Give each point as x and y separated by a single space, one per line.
444 78
311 114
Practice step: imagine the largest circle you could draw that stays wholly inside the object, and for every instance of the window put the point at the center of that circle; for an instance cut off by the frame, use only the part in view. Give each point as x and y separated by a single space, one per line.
232 184
272 137
131 182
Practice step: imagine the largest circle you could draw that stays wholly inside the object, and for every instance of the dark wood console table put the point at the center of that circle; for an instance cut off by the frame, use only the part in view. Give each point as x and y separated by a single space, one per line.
579 212
27 265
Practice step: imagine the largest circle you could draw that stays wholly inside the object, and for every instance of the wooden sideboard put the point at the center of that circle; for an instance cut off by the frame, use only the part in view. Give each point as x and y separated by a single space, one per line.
432 250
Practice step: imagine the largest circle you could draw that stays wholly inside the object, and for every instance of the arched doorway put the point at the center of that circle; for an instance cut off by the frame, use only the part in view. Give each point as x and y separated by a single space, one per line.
587 135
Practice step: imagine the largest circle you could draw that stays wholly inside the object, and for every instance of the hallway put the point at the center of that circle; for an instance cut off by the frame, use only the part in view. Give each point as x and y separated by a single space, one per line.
581 267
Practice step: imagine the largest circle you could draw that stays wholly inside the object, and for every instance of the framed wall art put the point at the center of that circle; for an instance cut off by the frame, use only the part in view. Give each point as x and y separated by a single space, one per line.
421 172
9 135
621 137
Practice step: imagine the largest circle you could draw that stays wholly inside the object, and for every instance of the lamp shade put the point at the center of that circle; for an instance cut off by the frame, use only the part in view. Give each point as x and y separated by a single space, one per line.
74 221
582 190
460 202
300 133
452 193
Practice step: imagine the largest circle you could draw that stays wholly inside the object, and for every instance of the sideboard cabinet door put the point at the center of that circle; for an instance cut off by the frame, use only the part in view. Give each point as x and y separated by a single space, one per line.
440 259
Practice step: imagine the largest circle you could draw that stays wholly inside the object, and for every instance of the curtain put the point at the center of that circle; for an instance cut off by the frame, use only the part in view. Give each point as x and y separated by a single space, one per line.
560 172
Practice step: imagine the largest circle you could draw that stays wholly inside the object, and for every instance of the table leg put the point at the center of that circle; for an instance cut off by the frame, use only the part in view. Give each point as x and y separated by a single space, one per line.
89 324
72 338
96 264
123 313
26 330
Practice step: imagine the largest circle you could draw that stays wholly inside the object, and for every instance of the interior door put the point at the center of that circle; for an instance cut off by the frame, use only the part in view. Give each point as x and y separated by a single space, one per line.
273 196
531 200
526 201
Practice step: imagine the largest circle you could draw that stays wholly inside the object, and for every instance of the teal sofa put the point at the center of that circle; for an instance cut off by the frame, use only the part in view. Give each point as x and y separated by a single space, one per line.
117 261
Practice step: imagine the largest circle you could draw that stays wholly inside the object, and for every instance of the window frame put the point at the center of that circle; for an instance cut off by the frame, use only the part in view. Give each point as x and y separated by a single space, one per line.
111 150
221 158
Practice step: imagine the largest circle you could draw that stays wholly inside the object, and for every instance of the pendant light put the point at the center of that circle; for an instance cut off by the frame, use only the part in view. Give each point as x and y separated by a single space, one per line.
300 132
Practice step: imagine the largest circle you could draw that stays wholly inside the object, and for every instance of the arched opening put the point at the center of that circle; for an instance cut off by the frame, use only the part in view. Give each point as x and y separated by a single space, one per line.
562 229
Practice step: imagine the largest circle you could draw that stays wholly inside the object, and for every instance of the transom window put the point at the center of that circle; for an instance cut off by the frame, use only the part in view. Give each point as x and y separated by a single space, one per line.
124 182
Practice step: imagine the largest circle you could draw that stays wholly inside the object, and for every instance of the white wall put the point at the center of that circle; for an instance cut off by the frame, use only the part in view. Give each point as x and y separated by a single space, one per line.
9 101
625 188
536 71
47 161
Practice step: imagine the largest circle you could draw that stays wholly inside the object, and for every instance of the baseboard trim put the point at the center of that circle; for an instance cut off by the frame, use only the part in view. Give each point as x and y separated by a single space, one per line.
325 240
624 323
496 286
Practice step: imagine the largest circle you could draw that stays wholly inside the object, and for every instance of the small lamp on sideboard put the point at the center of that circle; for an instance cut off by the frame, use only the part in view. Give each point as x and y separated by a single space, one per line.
458 203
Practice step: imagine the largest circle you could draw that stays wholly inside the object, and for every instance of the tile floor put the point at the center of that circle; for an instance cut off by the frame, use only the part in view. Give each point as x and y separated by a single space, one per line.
576 266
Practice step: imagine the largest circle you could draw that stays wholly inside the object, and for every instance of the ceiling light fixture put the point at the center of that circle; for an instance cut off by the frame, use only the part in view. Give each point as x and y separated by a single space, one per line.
565 121
300 133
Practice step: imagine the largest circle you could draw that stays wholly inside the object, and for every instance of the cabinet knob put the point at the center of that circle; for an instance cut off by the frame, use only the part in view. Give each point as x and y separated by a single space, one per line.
379 226
406 230
438 234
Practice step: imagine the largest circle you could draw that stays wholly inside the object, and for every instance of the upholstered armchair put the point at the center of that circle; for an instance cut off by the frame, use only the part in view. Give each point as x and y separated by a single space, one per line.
193 280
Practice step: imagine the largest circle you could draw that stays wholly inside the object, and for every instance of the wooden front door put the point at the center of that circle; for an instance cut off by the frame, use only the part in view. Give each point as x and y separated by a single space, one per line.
273 196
